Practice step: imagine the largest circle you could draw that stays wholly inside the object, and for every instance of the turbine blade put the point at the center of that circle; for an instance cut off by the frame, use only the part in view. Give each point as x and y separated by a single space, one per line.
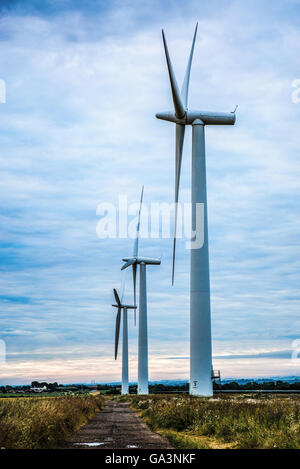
178 104
134 267
118 320
185 86
123 290
117 297
180 129
136 241
128 263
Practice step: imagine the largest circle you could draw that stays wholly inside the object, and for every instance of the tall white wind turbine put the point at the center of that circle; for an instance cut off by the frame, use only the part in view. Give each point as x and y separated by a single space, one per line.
200 322
121 307
134 261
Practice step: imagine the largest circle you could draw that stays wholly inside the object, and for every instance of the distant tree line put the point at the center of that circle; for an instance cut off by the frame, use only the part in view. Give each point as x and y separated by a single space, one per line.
257 386
227 386
153 388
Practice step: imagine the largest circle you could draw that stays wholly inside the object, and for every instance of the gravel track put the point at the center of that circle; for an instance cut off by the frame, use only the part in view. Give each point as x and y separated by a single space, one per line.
117 426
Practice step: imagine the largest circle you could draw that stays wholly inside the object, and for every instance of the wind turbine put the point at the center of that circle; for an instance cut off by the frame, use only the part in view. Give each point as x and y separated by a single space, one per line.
134 261
200 322
123 307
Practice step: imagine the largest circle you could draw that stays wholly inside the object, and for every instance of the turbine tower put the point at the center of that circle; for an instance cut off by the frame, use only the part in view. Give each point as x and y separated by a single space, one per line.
134 261
200 322
121 307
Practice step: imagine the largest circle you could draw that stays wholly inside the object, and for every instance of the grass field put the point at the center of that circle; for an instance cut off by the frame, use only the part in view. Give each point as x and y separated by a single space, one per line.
232 421
44 422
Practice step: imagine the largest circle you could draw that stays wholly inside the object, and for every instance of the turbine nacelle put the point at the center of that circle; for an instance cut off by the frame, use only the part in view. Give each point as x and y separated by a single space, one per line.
140 260
207 117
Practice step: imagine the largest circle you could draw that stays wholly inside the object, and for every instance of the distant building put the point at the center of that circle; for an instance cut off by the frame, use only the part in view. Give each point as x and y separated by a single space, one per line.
38 389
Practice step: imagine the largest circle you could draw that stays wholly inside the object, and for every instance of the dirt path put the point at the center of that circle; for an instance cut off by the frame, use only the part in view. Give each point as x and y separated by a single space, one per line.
117 427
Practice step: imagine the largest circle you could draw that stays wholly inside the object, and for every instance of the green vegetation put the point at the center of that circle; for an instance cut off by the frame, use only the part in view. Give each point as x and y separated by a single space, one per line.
258 386
237 421
45 389
243 385
44 422
55 389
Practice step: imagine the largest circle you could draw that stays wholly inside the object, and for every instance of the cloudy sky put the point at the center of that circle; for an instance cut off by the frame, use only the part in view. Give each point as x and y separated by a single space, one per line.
83 83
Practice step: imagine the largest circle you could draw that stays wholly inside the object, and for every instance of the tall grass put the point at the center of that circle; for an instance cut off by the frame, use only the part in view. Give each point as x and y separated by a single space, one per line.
248 423
43 422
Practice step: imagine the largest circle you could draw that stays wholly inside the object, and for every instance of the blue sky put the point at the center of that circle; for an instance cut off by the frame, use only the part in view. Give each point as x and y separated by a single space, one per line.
84 81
